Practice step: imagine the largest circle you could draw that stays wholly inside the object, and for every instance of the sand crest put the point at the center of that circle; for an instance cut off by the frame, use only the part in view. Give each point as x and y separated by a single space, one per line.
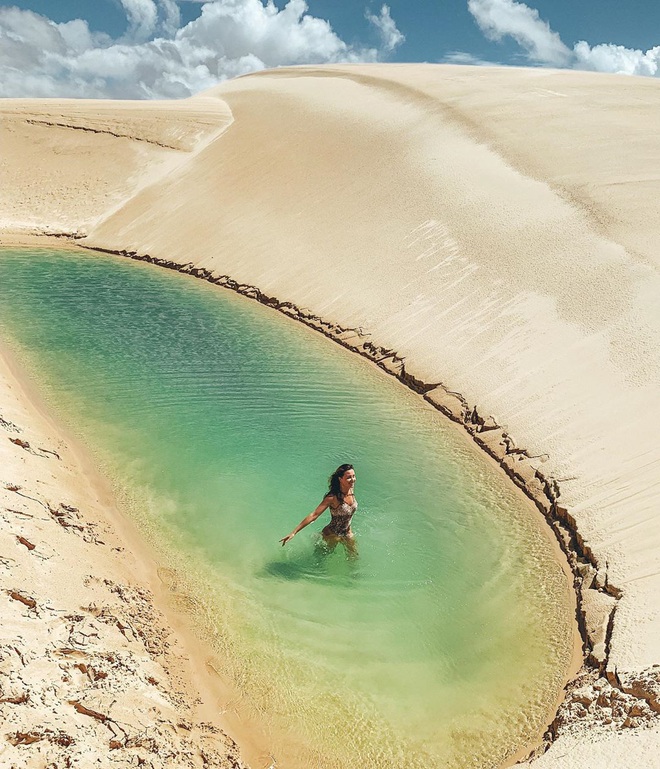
491 229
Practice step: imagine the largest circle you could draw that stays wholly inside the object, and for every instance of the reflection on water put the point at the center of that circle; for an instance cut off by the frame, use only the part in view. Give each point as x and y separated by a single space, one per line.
442 644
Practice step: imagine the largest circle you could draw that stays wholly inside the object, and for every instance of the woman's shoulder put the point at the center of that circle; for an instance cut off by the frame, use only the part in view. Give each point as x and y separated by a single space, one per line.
331 499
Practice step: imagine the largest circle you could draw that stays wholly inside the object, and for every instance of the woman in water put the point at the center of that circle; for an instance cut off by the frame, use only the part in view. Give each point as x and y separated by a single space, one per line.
342 503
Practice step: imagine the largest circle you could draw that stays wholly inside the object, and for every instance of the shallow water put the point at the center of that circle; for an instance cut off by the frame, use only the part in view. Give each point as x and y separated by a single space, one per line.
443 644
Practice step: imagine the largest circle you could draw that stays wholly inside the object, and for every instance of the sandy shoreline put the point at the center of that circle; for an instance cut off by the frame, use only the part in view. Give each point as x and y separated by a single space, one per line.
194 668
197 675
537 338
96 612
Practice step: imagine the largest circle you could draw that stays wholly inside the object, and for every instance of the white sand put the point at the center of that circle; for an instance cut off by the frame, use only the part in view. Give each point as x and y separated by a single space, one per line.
498 228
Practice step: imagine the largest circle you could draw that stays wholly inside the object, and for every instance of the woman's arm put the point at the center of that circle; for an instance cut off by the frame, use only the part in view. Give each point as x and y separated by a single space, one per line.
306 521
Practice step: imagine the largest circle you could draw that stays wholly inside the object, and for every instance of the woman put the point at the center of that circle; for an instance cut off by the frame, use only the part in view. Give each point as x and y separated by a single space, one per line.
342 503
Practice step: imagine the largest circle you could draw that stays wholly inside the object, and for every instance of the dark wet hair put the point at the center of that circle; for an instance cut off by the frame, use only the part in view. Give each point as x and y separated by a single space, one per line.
333 482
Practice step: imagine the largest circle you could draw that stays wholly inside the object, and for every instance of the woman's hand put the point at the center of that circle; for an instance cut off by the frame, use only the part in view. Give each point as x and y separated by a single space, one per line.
306 521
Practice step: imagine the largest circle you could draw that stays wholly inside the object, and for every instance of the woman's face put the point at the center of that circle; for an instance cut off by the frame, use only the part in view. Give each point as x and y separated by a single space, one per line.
347 481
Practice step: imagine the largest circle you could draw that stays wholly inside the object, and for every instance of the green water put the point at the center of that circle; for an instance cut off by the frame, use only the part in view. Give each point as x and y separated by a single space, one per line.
443 645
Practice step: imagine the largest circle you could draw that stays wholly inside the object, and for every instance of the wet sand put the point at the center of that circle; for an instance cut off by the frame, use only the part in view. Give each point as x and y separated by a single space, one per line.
97 660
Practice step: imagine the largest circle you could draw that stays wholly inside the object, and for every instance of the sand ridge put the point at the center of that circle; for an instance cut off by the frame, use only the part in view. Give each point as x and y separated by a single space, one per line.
494 227
99 154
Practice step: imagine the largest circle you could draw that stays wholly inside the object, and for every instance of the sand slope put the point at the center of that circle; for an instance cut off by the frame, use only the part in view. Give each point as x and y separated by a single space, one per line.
65 162
498 228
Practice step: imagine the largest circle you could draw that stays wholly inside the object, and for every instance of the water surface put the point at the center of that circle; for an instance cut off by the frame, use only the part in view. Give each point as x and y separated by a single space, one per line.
444 644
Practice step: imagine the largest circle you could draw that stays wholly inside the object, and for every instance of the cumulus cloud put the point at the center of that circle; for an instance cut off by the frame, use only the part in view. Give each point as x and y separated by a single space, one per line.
158 58
607 57
384 23
142 16
171 16
507 18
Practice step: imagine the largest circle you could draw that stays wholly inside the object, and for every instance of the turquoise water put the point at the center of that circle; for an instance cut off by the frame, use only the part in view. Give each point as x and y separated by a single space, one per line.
444 644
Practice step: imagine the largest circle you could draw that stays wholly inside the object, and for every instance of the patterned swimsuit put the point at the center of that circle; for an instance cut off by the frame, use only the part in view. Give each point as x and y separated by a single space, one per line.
340 523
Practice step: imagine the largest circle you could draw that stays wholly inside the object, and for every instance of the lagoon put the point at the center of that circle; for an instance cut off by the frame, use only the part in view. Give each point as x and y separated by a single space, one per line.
445 643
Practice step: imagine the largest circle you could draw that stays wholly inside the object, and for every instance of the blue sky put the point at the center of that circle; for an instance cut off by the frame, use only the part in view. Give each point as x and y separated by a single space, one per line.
433 28
171 48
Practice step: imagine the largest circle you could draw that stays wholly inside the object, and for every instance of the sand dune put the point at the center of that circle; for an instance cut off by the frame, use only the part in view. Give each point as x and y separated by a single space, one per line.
497 228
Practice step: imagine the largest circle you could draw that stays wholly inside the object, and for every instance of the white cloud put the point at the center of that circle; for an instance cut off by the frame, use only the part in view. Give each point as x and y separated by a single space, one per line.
615 58
146 18
171 16
157 58
233 28
462 57
142 16
501 18
386 26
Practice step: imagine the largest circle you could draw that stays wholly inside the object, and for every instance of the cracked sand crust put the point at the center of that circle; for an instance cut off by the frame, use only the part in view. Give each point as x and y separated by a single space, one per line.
88 665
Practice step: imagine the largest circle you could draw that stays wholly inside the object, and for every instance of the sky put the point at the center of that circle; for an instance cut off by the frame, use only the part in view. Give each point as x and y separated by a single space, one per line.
141 49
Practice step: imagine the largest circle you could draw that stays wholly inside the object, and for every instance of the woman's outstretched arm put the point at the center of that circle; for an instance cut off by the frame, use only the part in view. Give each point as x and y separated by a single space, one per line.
306 521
